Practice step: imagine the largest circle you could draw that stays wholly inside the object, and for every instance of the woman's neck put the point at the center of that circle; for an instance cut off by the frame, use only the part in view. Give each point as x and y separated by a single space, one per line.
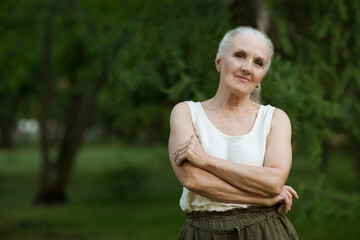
230 102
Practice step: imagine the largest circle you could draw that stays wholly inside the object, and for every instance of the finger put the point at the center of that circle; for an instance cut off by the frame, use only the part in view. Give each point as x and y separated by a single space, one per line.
289 202
180 159
288 195
189 146
177 149
286 207
179 155
280 208
184 151
178 152
286 202
294 193
279 198
182 145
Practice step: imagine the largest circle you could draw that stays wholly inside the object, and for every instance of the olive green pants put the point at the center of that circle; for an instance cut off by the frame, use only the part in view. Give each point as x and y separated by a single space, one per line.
241 223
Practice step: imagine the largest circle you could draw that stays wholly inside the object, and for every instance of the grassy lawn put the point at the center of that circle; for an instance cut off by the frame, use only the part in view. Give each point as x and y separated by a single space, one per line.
129 192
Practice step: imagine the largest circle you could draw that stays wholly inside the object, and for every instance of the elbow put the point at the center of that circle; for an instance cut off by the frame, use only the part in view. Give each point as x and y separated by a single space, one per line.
190 182
190 178
276 190
276 187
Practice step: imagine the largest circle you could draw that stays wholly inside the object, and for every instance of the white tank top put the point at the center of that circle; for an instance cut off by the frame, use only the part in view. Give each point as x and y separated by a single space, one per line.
247 149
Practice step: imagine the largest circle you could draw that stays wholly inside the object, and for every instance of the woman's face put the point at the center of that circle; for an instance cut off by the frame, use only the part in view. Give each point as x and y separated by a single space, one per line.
243 65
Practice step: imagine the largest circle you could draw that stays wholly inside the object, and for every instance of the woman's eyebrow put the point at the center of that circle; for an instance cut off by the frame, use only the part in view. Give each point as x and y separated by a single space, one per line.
239 50
242 50
261 59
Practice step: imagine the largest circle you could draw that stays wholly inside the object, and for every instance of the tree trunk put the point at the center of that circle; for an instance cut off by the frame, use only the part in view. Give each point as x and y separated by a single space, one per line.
262 16
325 156
53 179
6 141
75 128
78 115
44 176
7 124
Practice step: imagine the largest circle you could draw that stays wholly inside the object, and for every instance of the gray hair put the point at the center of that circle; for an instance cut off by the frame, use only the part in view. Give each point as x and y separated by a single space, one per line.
227 41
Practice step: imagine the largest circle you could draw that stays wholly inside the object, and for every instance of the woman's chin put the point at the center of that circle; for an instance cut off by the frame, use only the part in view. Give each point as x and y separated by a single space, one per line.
241 91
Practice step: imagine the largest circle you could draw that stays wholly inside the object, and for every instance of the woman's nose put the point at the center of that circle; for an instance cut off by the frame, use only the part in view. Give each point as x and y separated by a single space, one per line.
246 67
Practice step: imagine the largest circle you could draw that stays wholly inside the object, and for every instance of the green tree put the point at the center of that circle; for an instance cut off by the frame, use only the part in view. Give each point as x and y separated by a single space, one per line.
81 39
170 57
19 67
317 75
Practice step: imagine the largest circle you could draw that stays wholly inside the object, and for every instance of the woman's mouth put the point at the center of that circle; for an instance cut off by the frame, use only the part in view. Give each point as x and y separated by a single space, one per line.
243 79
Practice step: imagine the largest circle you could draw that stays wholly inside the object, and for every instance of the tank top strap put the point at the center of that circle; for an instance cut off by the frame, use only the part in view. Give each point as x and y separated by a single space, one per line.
266 117
194 111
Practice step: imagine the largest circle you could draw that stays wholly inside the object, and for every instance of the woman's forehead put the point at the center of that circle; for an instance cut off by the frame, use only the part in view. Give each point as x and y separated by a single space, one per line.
252 43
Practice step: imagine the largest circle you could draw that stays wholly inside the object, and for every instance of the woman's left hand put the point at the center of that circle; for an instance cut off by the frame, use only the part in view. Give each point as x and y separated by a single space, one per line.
287 194
193 151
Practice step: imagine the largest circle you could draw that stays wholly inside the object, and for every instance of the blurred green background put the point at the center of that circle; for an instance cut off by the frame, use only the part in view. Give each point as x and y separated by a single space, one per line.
87 86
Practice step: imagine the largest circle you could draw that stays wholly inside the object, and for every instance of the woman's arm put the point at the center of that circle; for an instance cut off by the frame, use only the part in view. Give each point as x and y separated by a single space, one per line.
266 181
199 180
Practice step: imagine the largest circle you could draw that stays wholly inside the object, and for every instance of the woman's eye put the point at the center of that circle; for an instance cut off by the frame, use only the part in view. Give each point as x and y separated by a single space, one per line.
239 55
259 63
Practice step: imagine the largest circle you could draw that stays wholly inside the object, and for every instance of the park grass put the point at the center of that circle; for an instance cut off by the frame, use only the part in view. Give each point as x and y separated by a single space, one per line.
131 192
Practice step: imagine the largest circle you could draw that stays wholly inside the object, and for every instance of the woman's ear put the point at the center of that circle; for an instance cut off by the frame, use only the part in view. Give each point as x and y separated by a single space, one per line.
217 64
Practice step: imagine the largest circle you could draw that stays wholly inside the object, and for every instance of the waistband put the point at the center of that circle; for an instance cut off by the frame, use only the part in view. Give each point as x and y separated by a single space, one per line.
230 220
243 212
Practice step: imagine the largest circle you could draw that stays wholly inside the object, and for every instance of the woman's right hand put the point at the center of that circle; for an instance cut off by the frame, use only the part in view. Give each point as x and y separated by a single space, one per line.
192 151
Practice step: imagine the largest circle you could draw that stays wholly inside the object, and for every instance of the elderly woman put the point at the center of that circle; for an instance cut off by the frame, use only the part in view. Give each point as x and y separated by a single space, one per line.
231 154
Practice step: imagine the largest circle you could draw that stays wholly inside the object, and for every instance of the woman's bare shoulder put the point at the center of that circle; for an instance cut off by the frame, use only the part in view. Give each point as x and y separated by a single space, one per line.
180 114
180 121
280 119
180 110
181 107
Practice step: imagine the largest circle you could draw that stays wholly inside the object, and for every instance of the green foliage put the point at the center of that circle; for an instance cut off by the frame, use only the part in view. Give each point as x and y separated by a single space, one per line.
19 51
163 52
168 59
318 83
